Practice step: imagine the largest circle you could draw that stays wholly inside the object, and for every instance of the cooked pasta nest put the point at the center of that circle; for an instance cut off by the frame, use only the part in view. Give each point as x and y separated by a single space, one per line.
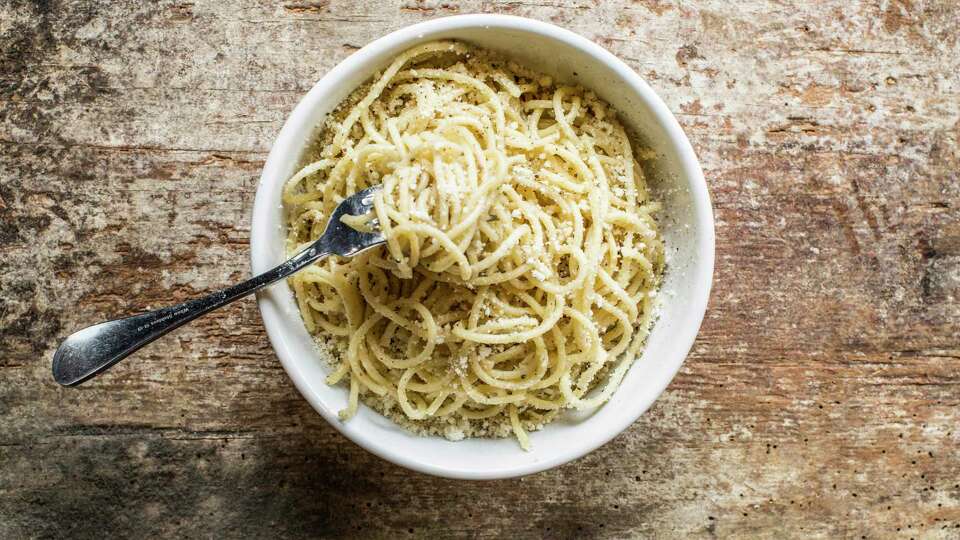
522 260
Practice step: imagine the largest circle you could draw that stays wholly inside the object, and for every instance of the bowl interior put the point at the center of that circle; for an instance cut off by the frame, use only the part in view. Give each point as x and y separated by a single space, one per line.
686 223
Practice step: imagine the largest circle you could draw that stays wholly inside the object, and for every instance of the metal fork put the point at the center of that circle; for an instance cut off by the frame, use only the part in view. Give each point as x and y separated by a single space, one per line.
94 349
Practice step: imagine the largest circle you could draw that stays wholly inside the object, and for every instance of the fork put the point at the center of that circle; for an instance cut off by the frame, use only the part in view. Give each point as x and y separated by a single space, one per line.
93 350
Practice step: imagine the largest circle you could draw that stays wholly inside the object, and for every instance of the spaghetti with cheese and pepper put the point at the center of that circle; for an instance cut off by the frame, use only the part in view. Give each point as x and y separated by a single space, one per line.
522 257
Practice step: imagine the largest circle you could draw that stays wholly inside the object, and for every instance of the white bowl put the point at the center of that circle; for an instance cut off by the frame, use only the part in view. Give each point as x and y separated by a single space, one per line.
687 224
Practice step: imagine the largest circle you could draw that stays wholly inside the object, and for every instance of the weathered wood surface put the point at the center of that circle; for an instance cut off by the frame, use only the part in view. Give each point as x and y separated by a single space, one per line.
822 398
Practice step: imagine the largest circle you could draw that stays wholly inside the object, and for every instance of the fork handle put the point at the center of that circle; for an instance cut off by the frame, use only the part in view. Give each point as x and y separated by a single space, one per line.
91 351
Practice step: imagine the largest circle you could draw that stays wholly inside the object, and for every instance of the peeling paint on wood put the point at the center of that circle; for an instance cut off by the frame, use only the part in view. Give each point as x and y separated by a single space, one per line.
822 398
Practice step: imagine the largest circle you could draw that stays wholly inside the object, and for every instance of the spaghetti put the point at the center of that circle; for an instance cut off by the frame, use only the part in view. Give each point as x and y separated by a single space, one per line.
522 257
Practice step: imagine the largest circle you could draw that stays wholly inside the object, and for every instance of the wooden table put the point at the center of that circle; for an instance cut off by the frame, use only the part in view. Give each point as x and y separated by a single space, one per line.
820 400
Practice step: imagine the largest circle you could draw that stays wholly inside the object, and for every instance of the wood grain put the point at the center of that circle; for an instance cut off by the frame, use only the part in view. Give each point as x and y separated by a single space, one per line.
822 398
